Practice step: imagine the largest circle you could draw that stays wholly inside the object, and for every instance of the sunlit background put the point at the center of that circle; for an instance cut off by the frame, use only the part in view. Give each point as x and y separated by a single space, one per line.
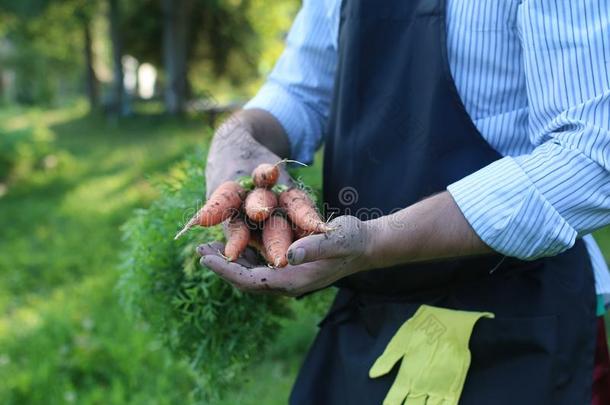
99 99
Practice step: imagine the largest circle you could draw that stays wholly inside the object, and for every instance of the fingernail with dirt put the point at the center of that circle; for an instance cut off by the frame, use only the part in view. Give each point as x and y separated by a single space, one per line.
296 256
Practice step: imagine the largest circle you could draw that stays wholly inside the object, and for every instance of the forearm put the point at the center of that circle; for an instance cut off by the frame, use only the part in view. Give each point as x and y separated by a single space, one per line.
431 229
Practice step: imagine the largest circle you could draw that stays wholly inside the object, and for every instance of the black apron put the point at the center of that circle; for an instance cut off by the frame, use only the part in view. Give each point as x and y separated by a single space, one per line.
398 133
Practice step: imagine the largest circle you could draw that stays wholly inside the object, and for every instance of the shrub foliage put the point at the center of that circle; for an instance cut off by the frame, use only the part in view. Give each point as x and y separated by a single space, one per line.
25 150
218 329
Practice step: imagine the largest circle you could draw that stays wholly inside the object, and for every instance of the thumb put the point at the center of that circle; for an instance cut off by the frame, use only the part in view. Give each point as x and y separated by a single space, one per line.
394 352
316 247
345 237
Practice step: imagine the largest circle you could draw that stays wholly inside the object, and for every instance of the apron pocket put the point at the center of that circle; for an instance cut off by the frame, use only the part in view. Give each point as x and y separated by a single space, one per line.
513 361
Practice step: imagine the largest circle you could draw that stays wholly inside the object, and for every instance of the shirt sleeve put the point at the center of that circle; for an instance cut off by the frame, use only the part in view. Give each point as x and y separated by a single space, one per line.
537 204
298 91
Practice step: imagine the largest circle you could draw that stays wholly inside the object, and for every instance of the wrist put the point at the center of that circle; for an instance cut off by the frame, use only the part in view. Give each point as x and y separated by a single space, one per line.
231 154
391 240
375 242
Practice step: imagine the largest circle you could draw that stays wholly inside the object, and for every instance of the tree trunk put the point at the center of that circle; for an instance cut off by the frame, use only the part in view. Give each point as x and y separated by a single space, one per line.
118 91
3 97
175 47
91 79
136 90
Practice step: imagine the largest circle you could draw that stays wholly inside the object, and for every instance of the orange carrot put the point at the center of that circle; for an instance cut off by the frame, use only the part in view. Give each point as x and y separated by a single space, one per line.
299 233
256 242
238 236
277 237
225 201
265 175
301 211
259 204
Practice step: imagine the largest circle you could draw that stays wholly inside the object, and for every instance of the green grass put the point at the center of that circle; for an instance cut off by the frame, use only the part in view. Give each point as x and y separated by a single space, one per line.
63 336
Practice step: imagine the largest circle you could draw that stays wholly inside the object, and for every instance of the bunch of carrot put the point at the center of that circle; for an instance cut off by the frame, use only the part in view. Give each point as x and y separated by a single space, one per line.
268 218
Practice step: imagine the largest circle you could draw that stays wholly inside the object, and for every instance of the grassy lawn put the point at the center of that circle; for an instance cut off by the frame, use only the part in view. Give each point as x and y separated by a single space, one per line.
63 336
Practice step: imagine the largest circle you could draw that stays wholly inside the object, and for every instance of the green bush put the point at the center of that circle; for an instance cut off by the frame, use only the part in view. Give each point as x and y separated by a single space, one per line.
218 329
26 150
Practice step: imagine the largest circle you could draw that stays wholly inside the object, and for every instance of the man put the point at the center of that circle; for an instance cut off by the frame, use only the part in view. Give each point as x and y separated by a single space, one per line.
467 149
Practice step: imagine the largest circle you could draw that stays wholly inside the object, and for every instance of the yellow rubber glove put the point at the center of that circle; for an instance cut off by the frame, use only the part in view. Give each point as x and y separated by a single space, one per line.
434 344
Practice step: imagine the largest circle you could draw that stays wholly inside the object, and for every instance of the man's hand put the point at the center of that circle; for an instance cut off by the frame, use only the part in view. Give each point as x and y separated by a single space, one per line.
432 229
315 261
245 140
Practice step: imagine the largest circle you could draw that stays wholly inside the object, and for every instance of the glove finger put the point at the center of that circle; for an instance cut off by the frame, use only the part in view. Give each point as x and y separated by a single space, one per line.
416 399
393 352
385 363
435 400
397 394
400 388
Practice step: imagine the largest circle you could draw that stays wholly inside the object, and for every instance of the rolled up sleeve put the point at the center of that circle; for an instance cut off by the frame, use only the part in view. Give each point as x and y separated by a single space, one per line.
299 89
537 204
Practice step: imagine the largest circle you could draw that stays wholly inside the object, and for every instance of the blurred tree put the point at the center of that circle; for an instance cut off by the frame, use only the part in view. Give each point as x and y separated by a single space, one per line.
92 83
201 41
46 37
198 46
85 13
142 30
118 101
176 27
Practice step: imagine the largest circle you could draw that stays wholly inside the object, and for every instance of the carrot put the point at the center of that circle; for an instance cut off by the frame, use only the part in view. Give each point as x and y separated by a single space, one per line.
265 175
301 211
238 236
299 233
256 242
277 237
225 201
259 204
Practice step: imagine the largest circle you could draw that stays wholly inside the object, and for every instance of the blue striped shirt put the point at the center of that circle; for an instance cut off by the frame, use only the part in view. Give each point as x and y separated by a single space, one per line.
534 76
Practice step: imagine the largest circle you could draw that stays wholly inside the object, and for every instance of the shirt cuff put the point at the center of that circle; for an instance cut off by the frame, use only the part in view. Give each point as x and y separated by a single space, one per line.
297 122
508 212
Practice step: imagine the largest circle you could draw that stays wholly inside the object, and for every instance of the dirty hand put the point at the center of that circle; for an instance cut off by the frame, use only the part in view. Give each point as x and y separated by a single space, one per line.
245 140
315 261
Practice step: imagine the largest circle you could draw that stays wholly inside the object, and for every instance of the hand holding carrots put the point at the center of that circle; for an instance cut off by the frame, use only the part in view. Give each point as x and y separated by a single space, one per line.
235 152
267 218
301 251
314 262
